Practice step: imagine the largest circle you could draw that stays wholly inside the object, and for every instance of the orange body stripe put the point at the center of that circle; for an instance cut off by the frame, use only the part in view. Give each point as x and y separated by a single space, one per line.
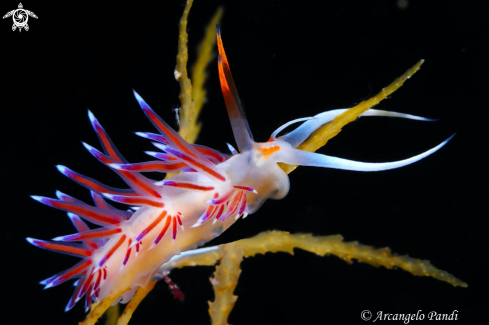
128 253
219 213
163 231
270 150
154 223
174 227
211 209
87 282
188 186
151 226
112 250
97 282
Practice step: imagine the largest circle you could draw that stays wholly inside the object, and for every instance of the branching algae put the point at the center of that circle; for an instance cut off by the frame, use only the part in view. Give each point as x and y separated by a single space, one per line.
203 194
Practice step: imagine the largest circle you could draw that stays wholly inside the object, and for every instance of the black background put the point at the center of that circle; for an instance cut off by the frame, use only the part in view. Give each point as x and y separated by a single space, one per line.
289 59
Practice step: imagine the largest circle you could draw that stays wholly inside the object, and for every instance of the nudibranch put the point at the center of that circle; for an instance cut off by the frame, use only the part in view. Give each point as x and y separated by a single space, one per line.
165 218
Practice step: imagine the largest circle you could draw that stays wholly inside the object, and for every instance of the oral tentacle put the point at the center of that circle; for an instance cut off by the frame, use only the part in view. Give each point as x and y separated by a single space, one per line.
301 133
303 158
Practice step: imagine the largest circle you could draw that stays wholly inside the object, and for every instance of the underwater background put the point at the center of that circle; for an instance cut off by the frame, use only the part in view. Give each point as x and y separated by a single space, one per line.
289 59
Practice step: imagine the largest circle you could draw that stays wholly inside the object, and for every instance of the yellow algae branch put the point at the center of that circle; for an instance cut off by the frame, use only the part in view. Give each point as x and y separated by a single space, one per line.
224 282
112 312
140 294
205 54
111 315
281 241
321 136
186 110
98 309
192 92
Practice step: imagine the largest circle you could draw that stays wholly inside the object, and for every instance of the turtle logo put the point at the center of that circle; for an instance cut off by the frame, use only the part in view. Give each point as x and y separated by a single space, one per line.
20 17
